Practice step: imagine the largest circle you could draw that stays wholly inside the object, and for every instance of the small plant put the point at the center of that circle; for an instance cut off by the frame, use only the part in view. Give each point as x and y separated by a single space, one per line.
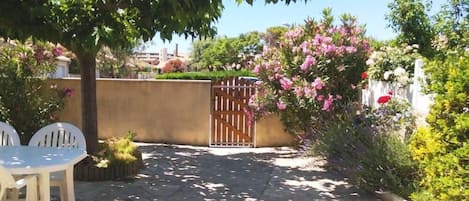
394 116
116 151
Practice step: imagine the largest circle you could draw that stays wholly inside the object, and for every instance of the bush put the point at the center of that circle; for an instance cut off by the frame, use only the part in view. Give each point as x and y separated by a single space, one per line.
214 75
173 65
27 101
442 149
370 150
314 70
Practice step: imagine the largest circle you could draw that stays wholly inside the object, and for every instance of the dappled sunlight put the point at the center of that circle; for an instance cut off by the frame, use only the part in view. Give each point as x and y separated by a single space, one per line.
325 185
180 172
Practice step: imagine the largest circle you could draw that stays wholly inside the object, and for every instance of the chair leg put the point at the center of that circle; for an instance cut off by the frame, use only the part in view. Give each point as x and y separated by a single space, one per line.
3 193
63 191
31 190
14 194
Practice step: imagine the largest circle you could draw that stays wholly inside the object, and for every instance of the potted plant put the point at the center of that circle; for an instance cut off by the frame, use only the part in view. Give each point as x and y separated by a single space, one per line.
116 158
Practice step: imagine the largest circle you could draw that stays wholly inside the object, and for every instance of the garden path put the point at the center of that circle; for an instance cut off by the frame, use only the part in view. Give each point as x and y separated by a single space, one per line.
176 172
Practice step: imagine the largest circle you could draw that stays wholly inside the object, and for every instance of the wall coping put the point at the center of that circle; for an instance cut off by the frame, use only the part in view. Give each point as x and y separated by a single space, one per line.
140 80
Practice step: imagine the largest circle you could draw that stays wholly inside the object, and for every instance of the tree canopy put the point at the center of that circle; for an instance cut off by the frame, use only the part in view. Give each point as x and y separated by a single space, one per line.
221 53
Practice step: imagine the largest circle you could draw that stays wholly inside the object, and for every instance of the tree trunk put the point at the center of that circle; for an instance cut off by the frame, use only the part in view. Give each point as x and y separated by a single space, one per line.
89 114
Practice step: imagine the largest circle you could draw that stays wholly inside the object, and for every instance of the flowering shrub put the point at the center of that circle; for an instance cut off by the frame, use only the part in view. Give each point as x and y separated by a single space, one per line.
393 117
393 64
366 147
27 101
174 65
315 68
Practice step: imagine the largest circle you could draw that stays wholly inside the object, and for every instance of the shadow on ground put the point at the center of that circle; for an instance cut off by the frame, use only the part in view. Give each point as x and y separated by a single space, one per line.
199 173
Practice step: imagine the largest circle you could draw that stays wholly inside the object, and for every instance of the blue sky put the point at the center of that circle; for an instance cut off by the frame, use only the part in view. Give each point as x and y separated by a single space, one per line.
237 19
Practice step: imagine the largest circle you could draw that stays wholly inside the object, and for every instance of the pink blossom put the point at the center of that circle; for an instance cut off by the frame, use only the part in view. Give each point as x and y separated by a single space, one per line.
305 47
330 49
308 62
328 103
338 96
318 84
257 69
350 49
281 105
310 92
68 91
320 97
57 51
286 83
299 91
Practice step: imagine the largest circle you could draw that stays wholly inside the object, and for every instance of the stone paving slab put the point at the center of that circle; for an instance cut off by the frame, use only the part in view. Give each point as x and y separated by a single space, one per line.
176 172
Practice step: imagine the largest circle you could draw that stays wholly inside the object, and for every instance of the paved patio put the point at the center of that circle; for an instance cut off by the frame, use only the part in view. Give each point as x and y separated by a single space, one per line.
174 172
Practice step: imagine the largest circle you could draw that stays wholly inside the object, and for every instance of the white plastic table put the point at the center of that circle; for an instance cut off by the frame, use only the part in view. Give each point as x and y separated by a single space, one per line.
21 160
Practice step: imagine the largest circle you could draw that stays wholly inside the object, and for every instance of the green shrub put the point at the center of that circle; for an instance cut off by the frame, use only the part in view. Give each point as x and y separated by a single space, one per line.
27 101
215 75
369 147
442 149
116 151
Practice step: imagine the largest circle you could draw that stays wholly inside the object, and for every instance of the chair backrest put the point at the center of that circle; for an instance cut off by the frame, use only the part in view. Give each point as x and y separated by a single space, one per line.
8 135
59 134
7 181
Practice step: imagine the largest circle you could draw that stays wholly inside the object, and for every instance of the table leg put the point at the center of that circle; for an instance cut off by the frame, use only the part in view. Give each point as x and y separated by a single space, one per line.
44 186
69 183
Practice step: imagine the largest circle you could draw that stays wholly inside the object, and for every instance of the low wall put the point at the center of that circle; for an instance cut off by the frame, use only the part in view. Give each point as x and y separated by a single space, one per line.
165 111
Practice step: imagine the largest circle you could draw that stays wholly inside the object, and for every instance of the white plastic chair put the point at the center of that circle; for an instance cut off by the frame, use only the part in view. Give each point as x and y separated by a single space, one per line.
59 134
8 135
8 182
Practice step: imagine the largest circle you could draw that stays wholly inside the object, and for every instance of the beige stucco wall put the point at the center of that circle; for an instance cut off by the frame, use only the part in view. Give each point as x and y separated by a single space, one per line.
270 133
168 111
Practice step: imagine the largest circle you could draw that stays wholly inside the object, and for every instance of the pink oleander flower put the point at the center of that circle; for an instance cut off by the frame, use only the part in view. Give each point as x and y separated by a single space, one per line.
309 61
310 92
350 49
257 69
281 105
318 84
299 91
330 49
328 103
305 47
286 83
68 91
57 51
320 97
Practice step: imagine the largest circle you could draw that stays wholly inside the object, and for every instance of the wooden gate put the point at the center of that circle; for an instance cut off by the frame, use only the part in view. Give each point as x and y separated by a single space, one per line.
230 126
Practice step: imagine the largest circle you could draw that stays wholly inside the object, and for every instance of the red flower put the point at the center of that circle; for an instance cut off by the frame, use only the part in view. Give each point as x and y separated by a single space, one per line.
364 75
384 99
390 93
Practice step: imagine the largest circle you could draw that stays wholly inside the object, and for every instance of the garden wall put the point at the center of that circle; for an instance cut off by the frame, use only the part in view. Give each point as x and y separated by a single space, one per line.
165 111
